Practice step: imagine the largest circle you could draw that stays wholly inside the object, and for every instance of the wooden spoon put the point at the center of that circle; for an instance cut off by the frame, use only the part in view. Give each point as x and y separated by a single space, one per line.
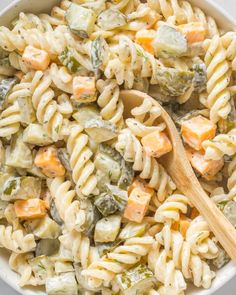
177 165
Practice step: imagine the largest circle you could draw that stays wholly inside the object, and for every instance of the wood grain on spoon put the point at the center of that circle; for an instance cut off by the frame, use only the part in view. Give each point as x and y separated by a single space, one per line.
177 165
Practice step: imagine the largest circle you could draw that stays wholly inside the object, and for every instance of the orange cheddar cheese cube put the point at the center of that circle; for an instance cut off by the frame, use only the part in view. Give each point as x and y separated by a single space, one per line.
141 184
194 32
84 89
137 205
196 130
207 168
35 58
145 39
156 144
182 225
31 208
47 159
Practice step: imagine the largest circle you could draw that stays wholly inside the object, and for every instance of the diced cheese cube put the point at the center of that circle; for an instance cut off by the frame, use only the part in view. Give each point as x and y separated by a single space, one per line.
207 168
47 159
35 58
84 89
31 208
142 185
194 32
137 205
145 39
196 130
156 144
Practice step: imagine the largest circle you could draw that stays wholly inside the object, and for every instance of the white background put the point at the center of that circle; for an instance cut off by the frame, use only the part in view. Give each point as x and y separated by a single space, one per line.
230 288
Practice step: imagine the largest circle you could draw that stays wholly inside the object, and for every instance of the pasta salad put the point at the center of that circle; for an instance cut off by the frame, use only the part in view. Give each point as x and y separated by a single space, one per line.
85 205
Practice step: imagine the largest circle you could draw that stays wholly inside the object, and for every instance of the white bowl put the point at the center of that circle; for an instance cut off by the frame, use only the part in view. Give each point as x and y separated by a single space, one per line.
37 6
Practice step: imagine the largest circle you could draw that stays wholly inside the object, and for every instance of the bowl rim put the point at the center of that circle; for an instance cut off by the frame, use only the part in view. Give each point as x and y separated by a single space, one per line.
226 277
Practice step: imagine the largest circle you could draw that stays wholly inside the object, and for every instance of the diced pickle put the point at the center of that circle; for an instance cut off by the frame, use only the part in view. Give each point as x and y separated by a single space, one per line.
100 130
44 228
104 248
174 82
27 112
127 175
200 77
19 155
111 19
86 113
68 60
42 268
110 167
19 188
106 204
99 52
106 229
80 20
54 213
120 195
5 87
169 42
135 280
36 135
63 284
132 229
47 247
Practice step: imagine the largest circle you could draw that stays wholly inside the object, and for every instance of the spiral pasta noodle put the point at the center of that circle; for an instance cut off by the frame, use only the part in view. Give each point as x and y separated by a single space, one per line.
132 151
68 208
218 100
170 210
103 271
79 246
222 144
229 43
111 105
46 107
80 161
10 120
16 241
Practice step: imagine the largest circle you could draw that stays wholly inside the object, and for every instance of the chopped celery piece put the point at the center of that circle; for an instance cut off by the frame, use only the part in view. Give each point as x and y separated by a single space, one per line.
36 135
135 280
86 113
174 82
63 284
111 19
169 42
80 20
132 229
106 229
100 130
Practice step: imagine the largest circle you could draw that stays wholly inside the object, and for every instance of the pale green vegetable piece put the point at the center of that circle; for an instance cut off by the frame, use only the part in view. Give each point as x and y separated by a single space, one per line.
42 268
80 20
19 155
100 130
68 60
132 229
106 204
99 52
44 228
169 42
27 111
106 229
104 248
5 87
86 113
47 247
111 19
36 135
174 82
109 166
200 77
19 188
135 280
63 284
127 174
